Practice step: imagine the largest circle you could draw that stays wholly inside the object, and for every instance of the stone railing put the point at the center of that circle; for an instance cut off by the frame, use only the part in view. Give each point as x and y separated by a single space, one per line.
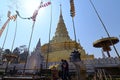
110 60
103 62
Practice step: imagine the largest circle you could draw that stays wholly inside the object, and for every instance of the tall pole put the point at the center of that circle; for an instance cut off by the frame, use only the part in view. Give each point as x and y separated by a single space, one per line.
104 28
74 28
72 12
14 35
47 58
29 45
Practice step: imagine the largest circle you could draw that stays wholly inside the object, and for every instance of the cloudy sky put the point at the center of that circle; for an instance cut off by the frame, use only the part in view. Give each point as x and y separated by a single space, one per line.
88 27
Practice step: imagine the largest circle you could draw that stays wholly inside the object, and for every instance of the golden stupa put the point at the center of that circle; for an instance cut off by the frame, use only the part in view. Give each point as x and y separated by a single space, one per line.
61 46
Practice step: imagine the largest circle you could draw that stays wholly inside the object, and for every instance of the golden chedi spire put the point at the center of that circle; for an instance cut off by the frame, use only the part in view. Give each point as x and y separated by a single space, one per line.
61 34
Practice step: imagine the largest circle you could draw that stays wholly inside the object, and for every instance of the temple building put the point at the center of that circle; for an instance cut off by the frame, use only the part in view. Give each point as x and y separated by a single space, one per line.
35 60
61 45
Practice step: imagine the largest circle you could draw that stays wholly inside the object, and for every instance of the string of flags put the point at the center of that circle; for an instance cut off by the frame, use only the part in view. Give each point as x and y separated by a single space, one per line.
36 11
45 5
10 17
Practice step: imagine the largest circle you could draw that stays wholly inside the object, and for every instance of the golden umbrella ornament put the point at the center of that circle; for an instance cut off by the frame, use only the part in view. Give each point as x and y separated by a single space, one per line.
105 44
